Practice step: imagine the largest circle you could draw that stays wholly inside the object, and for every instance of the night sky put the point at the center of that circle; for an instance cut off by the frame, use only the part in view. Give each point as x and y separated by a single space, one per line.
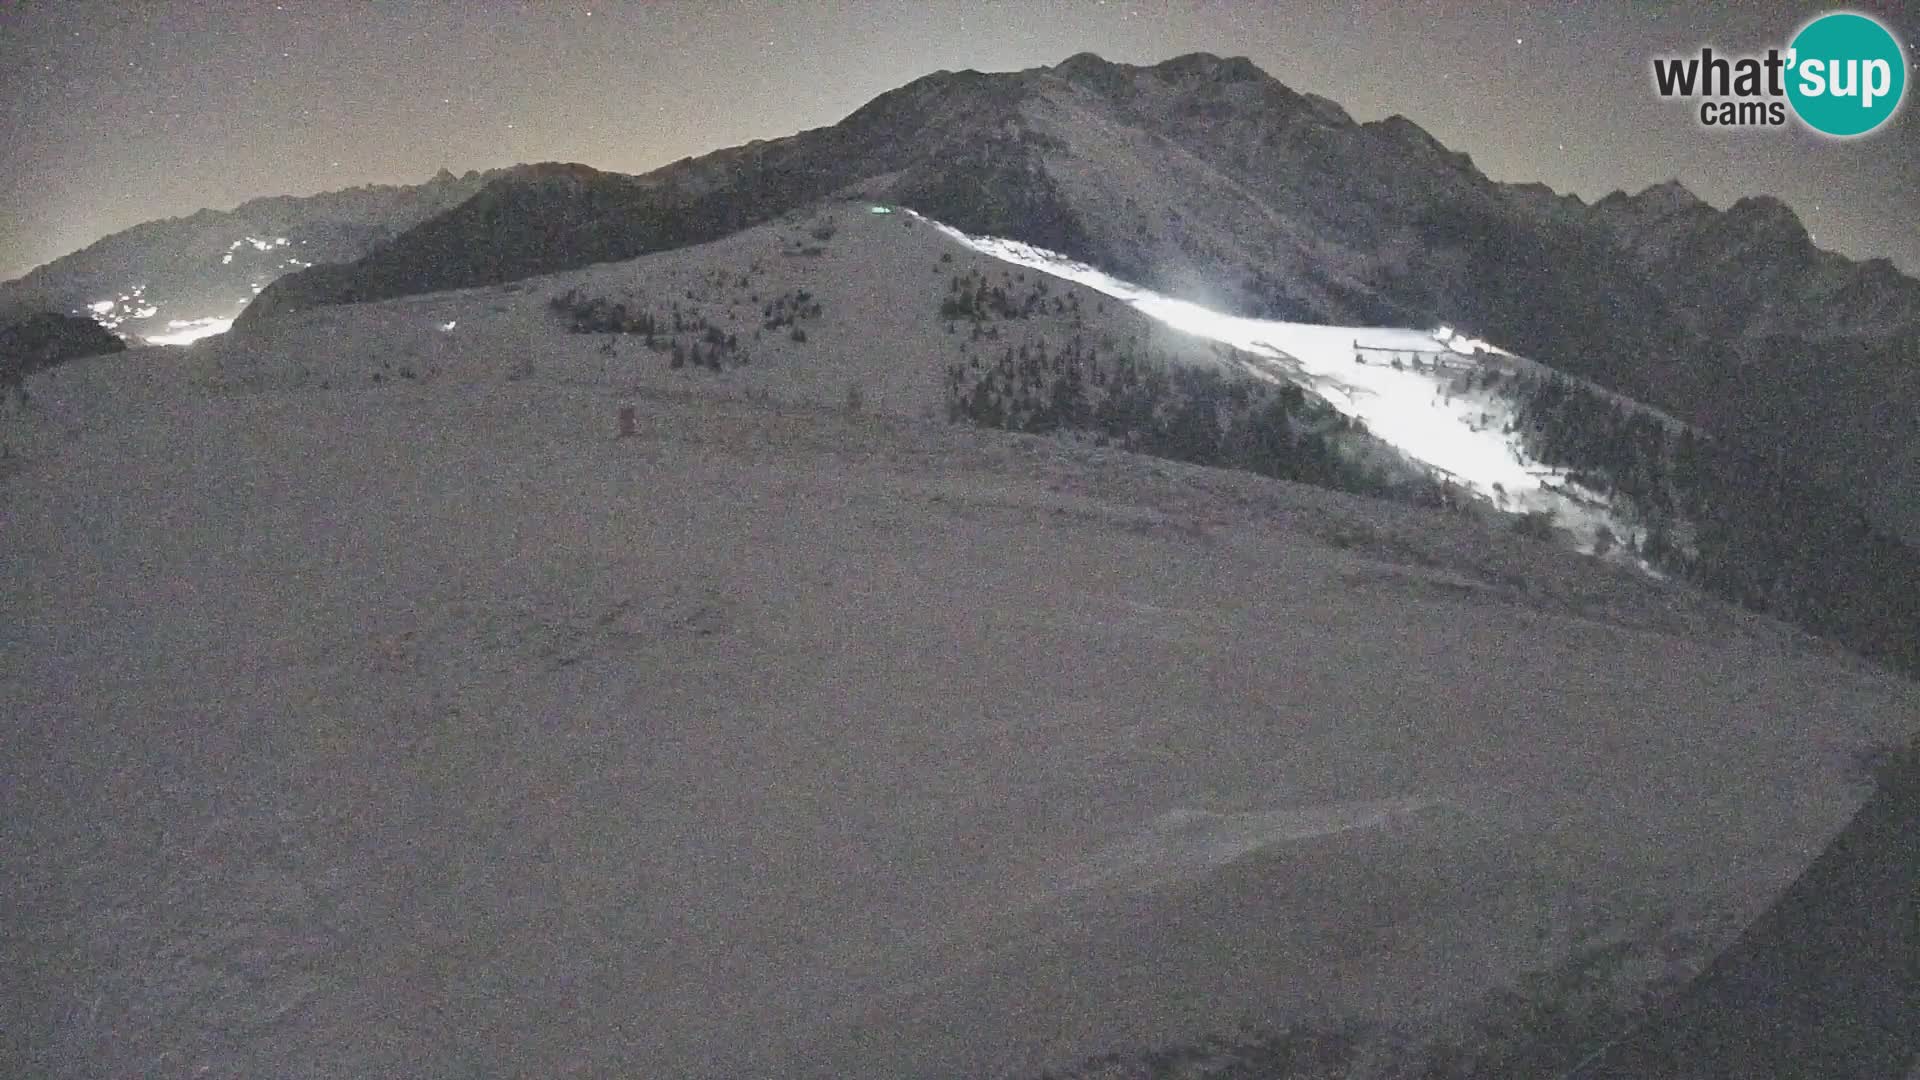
117 113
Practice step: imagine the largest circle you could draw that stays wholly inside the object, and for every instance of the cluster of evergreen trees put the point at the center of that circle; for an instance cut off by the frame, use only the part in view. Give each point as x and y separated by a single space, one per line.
788 309
972 296
598 315
709 350
1149 404
1142 401
1738 520
685 336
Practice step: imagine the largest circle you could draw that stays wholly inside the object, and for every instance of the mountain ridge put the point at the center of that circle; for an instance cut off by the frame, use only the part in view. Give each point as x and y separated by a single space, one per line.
1204 178
1227 91
202 266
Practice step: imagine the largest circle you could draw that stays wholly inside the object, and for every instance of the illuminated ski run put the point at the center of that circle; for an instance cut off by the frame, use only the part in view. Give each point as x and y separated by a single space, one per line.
1396 381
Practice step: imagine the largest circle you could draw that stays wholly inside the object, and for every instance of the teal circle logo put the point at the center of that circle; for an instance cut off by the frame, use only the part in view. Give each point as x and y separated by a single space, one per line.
1847 74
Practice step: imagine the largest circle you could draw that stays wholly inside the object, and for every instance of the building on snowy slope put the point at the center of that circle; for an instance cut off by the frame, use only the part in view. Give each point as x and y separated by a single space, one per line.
1441 360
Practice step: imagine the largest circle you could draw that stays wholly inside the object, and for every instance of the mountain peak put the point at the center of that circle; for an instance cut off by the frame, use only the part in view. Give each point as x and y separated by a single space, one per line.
556 170
1763 206
570 175
1405 130
1095 72
1411 136
1668 195
1208 66
1657 201
1084 63
1195 67
1765 214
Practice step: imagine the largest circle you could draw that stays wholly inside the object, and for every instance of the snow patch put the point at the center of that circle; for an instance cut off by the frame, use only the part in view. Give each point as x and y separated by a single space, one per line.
1188 842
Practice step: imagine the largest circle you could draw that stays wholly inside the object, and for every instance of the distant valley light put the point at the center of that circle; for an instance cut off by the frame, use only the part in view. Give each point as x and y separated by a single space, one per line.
187 331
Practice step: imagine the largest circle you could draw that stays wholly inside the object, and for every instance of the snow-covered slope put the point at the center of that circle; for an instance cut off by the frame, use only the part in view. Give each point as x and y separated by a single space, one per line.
423 725
878 280
1406 385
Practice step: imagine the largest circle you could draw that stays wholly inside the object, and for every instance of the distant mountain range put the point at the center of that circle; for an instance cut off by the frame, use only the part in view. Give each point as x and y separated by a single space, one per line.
1205 178
163 276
